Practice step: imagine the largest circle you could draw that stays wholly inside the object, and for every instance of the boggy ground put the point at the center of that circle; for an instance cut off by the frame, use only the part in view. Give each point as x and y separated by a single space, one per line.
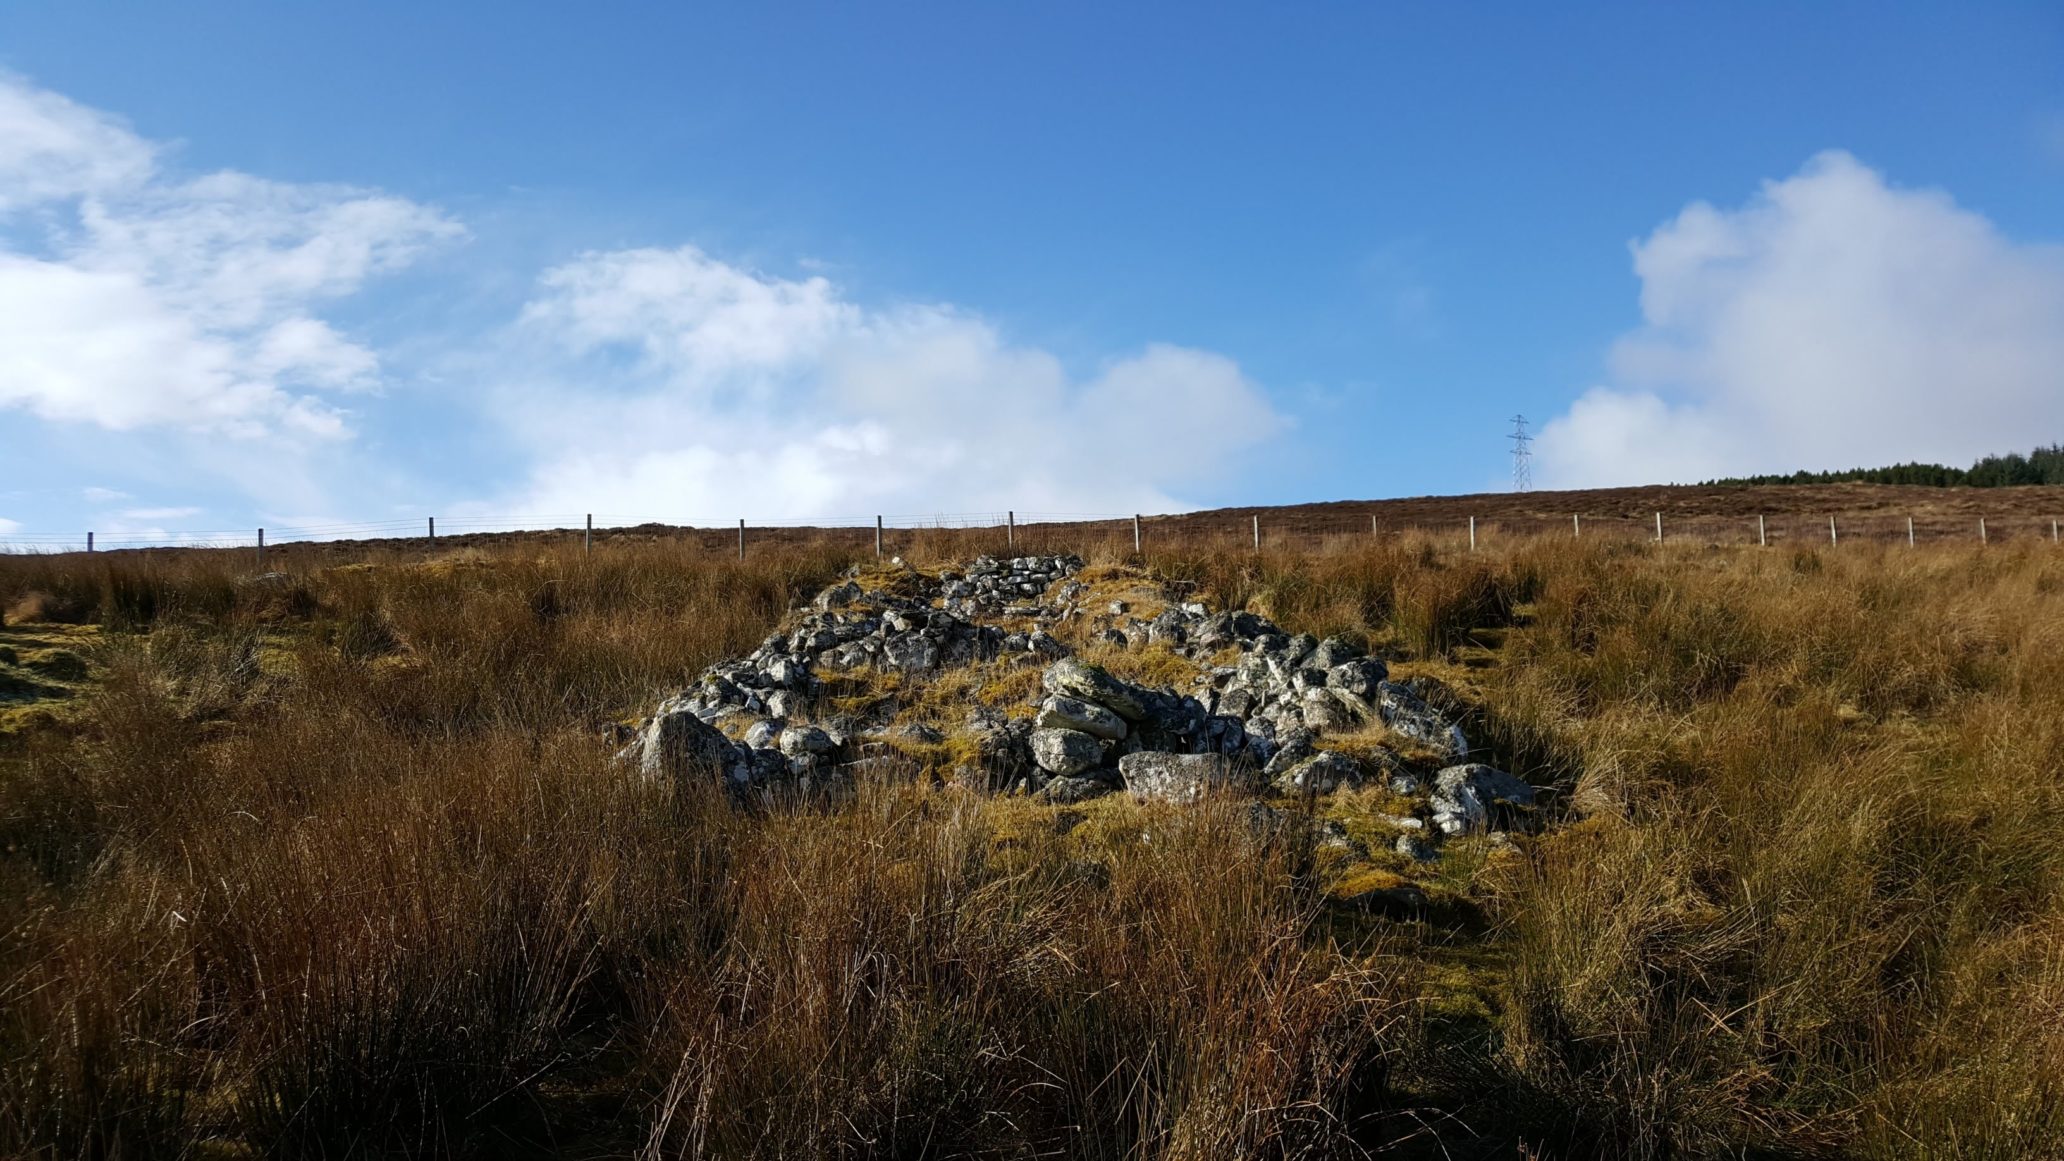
340 863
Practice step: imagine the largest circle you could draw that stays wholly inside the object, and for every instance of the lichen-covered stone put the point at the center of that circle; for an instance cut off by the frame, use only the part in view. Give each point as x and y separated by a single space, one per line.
1325 712
1070 677
1406 714
1466 797
1322 773
1177 777
1068 713
1362 677
797 741
1062 791
677 741
1066 752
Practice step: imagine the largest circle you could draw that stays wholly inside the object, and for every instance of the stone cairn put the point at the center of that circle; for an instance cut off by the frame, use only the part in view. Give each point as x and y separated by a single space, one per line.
1253 727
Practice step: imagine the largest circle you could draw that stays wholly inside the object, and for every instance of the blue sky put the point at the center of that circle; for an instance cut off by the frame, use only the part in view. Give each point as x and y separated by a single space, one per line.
275 264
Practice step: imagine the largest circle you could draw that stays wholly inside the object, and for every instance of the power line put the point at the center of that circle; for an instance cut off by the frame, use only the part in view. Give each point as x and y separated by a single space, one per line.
1522 455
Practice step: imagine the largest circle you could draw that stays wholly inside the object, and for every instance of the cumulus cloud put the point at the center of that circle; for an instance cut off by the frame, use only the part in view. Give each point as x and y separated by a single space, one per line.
131 298
174 315
52 147
1835 320
738 393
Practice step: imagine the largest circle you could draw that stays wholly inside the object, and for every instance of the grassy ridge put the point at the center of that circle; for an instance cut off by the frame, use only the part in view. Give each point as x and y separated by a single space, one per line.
335 863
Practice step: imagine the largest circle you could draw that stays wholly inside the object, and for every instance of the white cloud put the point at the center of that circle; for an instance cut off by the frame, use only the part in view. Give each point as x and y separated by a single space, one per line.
130 298
51 147
1833 321
744 394
176 316
7 526
688 314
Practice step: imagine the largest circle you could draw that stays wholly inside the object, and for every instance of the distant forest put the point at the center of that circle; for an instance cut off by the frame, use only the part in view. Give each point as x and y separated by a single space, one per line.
2044 465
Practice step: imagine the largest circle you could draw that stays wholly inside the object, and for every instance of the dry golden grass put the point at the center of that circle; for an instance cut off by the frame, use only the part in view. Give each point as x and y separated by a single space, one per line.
336 864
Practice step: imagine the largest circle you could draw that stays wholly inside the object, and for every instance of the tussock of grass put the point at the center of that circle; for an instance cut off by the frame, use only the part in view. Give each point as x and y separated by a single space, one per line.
1149 665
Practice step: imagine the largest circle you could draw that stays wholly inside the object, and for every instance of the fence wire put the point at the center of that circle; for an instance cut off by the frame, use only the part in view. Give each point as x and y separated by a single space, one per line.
1253 527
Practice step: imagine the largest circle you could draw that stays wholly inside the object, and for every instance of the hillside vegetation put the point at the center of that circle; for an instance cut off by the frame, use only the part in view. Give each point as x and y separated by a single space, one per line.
2044 465
336 862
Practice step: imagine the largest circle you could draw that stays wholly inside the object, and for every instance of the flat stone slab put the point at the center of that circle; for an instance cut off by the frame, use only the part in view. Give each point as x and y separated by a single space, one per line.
1176 777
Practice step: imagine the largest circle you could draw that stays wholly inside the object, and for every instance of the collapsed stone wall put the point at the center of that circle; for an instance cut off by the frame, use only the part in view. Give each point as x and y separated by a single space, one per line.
1255 726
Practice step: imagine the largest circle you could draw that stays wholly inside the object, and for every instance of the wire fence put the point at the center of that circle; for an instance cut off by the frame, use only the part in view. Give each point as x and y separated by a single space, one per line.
434 529
1255 528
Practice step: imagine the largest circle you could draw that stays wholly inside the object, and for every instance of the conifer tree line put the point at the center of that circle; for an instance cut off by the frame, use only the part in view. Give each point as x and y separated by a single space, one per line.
2044 465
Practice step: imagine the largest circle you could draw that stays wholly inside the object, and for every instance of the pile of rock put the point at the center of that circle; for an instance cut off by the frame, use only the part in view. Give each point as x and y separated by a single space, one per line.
1255 725
846 627
1284 686
1094 734
1013 587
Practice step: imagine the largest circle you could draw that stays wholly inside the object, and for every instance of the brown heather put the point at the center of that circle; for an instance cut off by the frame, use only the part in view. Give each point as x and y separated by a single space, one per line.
337 865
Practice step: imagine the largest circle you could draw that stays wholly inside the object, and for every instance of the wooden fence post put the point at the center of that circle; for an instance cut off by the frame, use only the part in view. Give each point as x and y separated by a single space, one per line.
433 531
1372 525
1135 534
2053 532
1576 526
1832 536
1909 532
587 543
877 538
261 549
741 538
1472 534
1257 534
1762 533
1659 528
89 542
1010 533
1981 530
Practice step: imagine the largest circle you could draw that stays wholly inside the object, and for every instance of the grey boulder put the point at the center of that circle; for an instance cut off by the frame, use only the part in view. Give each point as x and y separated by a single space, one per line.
1322 773
911 652
1465 796
1064 753
1046 644
1331 652
1063 791
1361 677
1176 777
676 741
838 596
1070 677
785 703
1068 713
762 733
1325 711
1406 714
806 741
